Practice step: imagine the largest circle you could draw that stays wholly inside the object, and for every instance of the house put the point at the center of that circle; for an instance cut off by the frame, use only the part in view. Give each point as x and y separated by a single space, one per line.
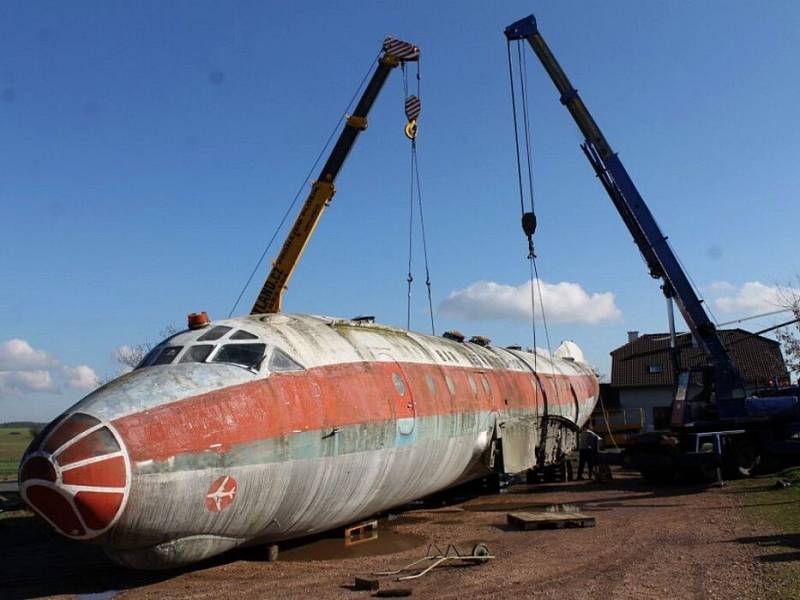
643 374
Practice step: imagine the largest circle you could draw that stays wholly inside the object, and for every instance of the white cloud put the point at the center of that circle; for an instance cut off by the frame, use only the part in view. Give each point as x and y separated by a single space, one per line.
16 382
750 298
19 355
721 287
564 302
26 370
81 377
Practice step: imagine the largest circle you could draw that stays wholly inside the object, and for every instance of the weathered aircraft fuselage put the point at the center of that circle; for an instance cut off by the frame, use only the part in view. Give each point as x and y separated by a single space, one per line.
264 428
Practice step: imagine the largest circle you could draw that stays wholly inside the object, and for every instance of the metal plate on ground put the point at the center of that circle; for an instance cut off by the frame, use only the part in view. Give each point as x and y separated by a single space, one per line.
548 520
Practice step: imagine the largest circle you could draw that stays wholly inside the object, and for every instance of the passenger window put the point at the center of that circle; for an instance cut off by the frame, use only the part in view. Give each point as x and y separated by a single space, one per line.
243 335
167 355
280 361
431 384
486 387
197 353
214 333
473 385
245 355
399 384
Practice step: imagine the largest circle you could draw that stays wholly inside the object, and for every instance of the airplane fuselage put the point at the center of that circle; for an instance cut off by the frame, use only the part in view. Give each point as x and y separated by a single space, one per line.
269 427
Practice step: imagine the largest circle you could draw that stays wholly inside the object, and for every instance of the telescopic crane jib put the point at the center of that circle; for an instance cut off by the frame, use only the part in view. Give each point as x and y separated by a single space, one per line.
652 243
394 53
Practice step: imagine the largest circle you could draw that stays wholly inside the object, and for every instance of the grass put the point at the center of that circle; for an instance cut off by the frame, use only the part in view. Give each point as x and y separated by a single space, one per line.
13 442
765 501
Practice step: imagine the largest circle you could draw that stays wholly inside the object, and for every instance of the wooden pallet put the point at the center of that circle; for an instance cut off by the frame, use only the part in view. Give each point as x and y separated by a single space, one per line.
548 520
361 532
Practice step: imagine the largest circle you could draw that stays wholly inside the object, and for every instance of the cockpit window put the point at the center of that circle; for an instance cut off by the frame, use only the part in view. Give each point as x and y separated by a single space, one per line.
167 355
214 333
245 355
243 335
280 361
198 353
148 357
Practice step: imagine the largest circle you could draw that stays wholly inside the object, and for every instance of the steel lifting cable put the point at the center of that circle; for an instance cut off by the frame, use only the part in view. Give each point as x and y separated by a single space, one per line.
531 252
529 218
522 193
424 238
428 283
526 122
416 183
303 185
516 128
529 154
409 276
694 285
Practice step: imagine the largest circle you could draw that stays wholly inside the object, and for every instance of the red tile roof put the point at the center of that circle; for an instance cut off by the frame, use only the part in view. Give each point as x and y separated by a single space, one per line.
647 360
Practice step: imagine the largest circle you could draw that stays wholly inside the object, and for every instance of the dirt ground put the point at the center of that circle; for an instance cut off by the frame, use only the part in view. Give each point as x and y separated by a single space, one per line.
675 541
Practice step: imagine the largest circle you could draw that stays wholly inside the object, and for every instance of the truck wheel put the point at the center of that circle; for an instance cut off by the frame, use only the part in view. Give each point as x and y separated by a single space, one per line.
658 474
747 458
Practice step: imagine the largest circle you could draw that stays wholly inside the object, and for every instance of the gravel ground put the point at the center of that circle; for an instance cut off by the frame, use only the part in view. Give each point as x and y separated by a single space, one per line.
649 542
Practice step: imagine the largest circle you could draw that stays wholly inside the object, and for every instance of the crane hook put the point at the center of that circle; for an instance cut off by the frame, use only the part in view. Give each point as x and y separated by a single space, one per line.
411 129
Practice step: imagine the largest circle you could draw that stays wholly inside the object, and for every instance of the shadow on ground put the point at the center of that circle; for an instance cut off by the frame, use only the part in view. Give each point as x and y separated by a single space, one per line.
779 541
37 562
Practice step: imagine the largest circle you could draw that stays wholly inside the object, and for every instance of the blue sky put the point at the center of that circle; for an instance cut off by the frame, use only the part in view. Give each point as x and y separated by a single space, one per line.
149 150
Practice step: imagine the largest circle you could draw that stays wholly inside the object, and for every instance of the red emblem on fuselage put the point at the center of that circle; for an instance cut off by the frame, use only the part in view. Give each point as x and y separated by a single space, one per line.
221 493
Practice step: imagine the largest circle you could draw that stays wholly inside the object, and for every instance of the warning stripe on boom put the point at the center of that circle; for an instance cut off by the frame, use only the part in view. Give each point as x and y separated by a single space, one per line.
400 49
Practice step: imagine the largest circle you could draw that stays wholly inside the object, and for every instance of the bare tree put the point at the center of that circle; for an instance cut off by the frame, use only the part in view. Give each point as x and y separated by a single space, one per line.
789 336
130 356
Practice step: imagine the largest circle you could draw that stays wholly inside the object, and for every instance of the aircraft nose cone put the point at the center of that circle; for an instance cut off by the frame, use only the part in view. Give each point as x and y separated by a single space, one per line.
76 475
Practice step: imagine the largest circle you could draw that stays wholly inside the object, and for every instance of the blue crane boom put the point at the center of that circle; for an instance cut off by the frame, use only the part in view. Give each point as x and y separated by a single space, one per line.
652 243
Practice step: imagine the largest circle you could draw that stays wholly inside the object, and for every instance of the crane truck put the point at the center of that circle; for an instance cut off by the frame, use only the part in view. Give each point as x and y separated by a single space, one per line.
715 425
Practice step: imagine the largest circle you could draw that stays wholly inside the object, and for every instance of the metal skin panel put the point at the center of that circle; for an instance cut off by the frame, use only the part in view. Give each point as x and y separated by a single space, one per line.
221 456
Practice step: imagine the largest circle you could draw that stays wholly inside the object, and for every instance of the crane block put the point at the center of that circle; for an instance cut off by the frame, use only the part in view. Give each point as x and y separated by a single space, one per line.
404 51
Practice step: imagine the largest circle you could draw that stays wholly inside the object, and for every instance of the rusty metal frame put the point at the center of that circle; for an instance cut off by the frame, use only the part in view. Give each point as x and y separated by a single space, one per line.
450 553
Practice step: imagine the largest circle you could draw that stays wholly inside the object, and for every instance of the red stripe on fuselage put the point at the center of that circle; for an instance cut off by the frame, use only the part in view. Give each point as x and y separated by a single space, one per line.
337 396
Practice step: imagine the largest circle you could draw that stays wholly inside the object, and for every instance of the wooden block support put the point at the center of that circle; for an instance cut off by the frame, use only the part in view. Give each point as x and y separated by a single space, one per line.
272 552
361 532
548 520
366 583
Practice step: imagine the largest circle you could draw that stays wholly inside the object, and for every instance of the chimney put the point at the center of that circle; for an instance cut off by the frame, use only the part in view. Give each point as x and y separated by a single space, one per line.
633 336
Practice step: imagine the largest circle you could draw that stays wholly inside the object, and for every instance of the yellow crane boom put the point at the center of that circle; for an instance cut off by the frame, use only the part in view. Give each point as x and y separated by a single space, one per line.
394 53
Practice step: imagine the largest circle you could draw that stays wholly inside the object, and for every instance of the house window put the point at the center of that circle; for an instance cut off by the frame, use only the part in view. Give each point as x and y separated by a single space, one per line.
655 369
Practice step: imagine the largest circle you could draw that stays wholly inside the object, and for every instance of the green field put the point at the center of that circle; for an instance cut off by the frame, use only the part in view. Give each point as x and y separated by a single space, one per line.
765 501
13 441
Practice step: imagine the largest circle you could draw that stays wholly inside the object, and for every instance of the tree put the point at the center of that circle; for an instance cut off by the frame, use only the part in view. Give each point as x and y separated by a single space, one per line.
789 336
130 356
